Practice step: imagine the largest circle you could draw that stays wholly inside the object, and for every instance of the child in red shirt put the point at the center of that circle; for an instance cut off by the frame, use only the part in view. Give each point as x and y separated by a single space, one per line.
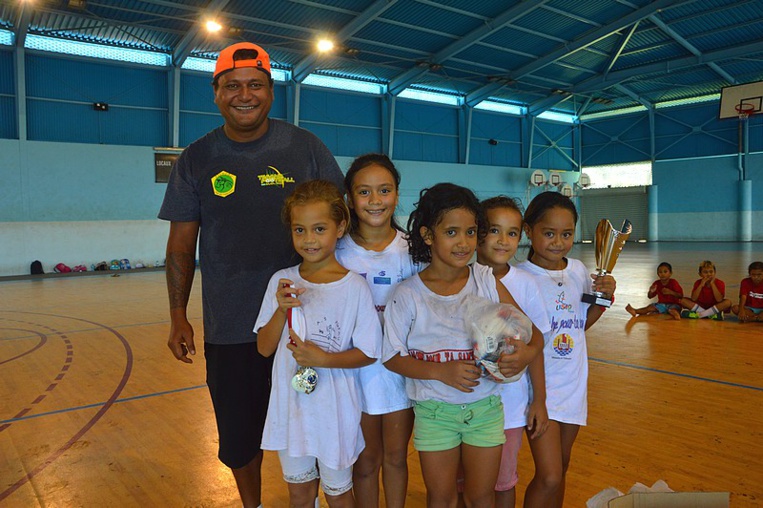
668 292
708 297
750 306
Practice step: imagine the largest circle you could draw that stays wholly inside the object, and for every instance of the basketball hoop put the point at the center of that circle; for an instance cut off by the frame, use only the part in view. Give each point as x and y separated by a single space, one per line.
744 110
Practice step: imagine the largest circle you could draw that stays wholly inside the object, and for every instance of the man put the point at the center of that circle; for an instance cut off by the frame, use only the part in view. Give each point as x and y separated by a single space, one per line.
227 189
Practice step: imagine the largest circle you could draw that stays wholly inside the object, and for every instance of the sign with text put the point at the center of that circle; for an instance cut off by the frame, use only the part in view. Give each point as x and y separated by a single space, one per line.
162 165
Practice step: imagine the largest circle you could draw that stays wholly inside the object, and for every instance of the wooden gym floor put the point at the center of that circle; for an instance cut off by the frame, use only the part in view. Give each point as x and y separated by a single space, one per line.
95 412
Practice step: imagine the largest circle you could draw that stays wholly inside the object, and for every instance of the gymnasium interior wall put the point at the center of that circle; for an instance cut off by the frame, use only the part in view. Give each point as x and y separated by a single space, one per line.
78 184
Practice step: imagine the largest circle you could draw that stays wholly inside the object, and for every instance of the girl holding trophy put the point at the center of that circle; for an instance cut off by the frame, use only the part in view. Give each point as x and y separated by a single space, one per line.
550 221
313 417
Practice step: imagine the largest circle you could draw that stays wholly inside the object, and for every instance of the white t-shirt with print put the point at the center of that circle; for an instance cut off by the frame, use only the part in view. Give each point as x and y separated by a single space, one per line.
515 396
383 390
431 327
565 352
325 424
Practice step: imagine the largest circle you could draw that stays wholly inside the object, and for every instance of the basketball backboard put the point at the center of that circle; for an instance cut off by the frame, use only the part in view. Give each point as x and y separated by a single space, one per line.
741 100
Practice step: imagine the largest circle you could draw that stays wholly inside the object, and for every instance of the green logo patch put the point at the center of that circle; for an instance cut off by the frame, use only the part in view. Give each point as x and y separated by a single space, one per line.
224 184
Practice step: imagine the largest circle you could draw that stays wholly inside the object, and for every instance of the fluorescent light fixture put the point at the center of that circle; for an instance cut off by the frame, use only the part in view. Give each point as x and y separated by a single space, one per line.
96 50
420 95
557 117
613 112
6 37
690 100
501 107
354 85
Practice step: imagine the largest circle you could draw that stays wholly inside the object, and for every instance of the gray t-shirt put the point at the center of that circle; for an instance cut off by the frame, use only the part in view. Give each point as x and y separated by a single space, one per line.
236 191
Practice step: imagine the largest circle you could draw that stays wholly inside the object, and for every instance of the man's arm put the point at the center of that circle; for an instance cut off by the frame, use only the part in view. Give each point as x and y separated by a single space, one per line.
180 268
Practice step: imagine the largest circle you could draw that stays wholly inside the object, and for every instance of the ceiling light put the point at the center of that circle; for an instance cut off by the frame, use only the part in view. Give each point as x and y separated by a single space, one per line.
325 45
213 26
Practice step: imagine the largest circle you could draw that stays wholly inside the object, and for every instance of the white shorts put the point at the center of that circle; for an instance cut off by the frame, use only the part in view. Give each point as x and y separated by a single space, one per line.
383 391
306 469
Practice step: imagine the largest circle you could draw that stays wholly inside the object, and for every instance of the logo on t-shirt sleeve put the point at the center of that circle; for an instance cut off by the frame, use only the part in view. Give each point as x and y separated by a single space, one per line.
224 184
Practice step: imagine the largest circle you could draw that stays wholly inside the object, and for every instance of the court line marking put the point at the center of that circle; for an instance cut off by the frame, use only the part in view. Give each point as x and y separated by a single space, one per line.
93 420
98 404
678 374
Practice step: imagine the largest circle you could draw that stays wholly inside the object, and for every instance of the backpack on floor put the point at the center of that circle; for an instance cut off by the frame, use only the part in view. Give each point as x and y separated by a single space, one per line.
36 268
62 268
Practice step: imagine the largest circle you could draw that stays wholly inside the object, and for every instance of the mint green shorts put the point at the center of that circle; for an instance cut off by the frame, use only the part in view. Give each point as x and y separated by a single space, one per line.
440 426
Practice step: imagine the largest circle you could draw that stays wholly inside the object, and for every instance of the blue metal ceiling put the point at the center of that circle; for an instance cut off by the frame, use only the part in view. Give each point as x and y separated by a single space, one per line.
576 56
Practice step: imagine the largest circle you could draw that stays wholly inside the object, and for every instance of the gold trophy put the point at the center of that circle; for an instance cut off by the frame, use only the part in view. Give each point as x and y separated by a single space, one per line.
609 244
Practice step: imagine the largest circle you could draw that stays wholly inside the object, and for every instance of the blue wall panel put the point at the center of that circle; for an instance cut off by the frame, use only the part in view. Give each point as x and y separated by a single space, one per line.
505 129
60 93
8 124
553 146
346 141
349 123
196 93
98 81
426 132
693 131
81 124
616 140
338 107
697 185
7 73
195 125
8 127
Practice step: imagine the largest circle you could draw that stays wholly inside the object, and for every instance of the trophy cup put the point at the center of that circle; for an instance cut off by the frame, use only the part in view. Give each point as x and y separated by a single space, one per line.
609 244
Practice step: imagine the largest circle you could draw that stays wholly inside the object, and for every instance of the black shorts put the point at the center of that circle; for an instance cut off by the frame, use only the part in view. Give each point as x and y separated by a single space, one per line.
238 377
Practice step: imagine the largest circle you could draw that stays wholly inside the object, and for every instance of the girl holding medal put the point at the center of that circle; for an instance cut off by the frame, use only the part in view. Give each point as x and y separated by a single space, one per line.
315 425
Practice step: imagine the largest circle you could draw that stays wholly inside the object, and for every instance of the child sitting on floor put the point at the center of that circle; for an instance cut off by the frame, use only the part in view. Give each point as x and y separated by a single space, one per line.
750 306
668 292
708 297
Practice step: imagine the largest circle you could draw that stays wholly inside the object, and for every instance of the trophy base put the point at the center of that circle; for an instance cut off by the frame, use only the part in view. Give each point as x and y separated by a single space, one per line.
596 299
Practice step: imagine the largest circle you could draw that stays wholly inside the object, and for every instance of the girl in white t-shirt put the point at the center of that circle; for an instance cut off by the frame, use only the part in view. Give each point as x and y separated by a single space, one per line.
458 416
376 249
504 230
333 328
550 221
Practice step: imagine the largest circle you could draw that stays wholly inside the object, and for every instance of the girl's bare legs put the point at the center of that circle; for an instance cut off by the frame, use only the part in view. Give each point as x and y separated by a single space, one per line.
506 498
547 455
387 438
439 470
480 474
396 432
569 433
346 500
365 472
302 495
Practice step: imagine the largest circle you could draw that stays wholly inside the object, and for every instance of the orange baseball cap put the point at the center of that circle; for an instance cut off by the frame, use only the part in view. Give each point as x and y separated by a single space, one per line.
242 54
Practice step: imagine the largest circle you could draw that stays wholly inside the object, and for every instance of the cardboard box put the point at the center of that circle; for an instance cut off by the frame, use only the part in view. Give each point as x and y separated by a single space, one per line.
671 500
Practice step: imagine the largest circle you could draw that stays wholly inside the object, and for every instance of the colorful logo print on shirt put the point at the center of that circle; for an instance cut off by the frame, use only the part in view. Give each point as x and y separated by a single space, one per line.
224 184
563 344
274 177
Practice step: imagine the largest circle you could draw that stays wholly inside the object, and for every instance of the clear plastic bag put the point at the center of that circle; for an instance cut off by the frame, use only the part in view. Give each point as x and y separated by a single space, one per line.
490 324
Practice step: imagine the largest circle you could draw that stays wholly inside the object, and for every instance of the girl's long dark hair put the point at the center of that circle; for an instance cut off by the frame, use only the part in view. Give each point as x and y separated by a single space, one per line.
433 203
541 204
364 161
